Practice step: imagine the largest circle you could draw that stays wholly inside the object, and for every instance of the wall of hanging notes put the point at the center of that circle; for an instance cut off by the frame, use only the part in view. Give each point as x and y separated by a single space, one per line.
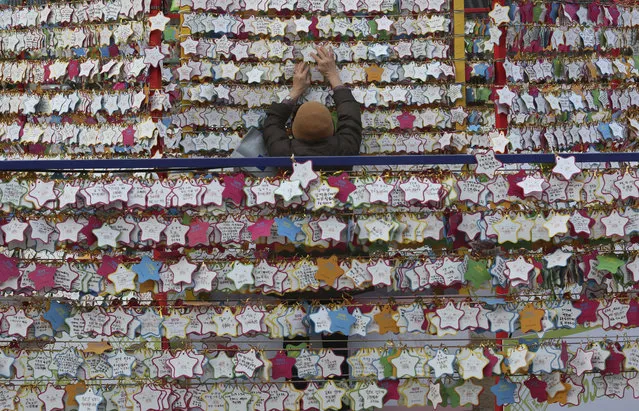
570 69
87 261
73 80
184 291
395 55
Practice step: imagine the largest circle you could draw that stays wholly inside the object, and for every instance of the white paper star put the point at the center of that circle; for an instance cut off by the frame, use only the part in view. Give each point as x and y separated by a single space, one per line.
468 393
379 191
558 258
519 269
532 185
250 320
582 361
321 320
557 224
615 224
507 230
303 172
499 142
52 398
247 363
442 364
88 401
106 235
159 21
241 274
254 75
499 14
153 56
331 228
182 271
506 96
414 189
264 192
518 358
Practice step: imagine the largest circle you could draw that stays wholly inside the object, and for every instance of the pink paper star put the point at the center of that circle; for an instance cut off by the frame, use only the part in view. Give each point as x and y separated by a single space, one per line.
234 188
92 224
43 277
128 135
343 184
109 265
198 233
282 366
8 268
406 120
261 228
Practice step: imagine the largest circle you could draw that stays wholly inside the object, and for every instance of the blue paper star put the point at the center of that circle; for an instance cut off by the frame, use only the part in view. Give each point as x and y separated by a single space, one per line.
287 228
341 321
147 269
504 391
56 315
474 127
605 131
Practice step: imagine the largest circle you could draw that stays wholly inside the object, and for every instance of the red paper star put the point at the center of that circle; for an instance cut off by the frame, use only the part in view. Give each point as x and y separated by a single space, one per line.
537 388
614 362
261 228
43 277
513 189
282 365
633 313
343 184
392 392
492 361
198 233
588 310
234 188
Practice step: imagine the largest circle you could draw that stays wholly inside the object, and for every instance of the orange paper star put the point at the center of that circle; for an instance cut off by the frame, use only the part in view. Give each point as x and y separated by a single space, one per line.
374 73
328 270
74 390
386 321
530 318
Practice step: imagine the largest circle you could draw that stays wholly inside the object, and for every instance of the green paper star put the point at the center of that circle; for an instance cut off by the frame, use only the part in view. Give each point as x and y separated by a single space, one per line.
294 350
477 273
450 396
609 263
388 367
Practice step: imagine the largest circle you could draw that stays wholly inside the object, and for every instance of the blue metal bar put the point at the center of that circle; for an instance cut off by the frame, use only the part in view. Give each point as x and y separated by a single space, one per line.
227 162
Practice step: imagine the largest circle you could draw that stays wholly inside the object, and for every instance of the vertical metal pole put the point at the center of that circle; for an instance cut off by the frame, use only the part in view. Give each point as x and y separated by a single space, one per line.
459 47
501 123
501 120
